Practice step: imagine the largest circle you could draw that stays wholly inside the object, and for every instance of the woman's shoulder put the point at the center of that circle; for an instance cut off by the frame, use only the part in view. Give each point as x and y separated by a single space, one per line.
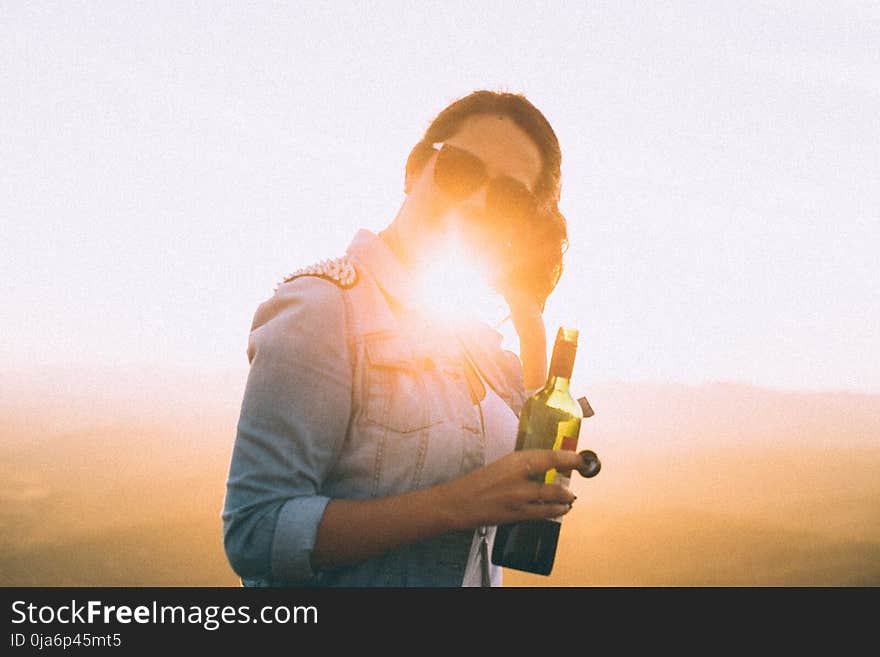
311 296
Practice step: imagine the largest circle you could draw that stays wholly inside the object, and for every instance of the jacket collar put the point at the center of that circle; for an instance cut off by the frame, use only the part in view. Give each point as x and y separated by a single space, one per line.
371 253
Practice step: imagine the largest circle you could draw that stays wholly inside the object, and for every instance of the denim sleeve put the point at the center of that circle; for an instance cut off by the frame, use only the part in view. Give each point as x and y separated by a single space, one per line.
292 425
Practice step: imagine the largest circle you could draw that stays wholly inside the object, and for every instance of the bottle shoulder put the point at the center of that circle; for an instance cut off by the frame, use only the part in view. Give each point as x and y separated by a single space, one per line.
563 401
553 398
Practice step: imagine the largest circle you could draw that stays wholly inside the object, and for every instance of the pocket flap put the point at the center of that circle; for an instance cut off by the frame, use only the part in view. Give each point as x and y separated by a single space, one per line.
393 352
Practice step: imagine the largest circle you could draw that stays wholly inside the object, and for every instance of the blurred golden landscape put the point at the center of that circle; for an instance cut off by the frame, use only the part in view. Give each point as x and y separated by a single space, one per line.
117 479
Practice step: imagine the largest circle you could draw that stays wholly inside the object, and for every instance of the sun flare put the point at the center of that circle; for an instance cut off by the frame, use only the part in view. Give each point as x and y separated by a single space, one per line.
453 288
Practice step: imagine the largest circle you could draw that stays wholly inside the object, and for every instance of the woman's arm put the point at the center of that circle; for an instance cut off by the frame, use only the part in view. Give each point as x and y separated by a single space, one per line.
501 492
529 324
292 426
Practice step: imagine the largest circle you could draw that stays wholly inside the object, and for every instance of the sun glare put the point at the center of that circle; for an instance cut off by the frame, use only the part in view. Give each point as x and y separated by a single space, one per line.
454 290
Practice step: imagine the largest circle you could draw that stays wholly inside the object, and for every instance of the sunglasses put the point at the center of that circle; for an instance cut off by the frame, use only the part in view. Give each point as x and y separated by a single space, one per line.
460 173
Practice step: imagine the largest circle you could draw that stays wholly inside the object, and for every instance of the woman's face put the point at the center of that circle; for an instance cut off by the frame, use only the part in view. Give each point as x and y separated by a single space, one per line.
503 147
505 152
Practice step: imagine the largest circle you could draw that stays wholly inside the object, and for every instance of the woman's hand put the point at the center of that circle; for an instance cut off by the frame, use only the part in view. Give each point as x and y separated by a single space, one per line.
528 322
504 491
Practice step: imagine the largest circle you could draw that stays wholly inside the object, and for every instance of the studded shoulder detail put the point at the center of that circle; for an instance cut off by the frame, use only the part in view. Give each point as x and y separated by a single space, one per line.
338 270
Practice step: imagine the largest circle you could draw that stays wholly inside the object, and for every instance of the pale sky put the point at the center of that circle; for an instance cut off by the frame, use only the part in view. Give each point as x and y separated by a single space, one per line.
163 166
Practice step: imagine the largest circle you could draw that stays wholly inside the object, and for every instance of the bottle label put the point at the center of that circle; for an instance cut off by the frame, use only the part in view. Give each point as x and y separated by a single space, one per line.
568 443
553 477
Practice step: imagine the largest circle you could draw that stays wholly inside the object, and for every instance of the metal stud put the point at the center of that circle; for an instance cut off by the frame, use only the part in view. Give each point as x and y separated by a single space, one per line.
339 270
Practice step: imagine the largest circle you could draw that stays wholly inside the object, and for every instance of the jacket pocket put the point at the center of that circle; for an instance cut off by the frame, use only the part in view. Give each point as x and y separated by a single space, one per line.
397 393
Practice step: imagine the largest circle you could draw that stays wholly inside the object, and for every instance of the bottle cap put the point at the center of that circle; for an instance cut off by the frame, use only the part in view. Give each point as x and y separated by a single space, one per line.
585 407
591 465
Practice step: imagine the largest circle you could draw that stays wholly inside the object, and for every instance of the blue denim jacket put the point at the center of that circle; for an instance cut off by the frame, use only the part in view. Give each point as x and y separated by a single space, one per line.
352 393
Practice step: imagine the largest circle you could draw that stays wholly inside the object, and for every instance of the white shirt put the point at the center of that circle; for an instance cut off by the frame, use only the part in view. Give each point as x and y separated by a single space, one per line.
500 425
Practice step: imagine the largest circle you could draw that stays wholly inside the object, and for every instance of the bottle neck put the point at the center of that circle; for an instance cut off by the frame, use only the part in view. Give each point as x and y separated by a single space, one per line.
560 383
562 361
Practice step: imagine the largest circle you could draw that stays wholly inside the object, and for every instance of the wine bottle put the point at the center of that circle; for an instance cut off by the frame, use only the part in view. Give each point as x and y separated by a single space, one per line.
550 419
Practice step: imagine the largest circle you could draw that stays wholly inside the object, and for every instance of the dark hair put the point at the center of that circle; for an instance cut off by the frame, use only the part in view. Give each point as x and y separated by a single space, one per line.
535 264
520 111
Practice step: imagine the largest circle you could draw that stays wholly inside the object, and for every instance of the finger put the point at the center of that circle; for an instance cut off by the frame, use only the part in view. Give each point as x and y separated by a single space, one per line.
528 466
538 511
555 494
540 460
536 492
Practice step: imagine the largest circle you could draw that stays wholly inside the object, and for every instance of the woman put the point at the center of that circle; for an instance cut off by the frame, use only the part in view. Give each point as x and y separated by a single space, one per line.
375 446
